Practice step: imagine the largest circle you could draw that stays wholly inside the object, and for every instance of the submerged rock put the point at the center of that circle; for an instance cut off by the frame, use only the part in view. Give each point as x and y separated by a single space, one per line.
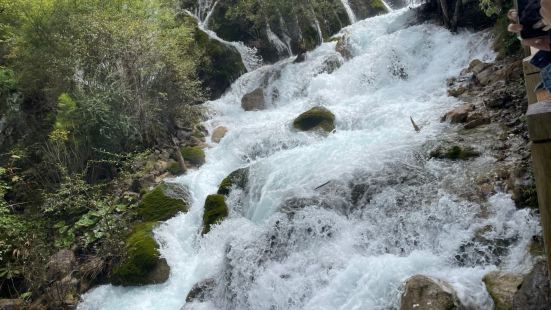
454 152
422 292
254 101
218 134
194 155
502 287
158 206
200 291
142 263
216 211
314 119
238 178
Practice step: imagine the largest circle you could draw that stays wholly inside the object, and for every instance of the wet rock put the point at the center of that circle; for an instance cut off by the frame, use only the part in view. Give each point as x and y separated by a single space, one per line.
454 152
314 119
534 292
60 264
254 100
216 211
460 85
425 293
200 291
238 178
344 47
12 304
459 114
218 134
502 287
476 66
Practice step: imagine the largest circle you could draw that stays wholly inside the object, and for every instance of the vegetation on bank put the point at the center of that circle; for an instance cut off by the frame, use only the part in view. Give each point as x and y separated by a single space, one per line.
88 89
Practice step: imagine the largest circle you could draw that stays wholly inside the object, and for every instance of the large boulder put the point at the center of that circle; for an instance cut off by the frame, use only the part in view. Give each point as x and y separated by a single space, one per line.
534 292
142 263
220 64
157 205
254 100
318 118
237 179
422 292
502 287
216 211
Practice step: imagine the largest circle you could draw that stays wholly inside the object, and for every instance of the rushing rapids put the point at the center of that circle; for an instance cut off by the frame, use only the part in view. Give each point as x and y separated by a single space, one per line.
338 221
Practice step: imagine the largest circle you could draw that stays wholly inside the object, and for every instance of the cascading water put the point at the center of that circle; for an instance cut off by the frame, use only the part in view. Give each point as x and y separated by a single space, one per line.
349 11
203 12
384 213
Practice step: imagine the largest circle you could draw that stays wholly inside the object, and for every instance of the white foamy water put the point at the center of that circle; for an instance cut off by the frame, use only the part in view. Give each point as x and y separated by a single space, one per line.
385 214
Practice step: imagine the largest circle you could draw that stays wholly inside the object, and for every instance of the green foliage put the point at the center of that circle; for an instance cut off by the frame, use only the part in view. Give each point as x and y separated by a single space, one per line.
238 178
315 118
110 75
193 154
216 210
491 7
175 168
142 255
157 206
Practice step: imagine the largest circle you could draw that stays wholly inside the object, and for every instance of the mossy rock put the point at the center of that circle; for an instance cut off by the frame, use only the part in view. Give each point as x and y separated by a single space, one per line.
194 155
216 211
142 264
175 168
314 119
220 65
158 206
239 178
455 152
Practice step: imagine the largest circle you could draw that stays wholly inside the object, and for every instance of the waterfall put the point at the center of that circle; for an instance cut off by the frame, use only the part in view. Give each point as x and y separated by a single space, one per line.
280 46
338 221
249 56
349 11
204 9
387 6
318 29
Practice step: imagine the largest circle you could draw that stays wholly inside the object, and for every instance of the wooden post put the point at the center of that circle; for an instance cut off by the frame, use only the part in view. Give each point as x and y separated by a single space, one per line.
531 79
539 129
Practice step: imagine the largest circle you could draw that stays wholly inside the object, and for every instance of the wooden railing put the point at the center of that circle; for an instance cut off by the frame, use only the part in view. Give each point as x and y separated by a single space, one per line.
539 129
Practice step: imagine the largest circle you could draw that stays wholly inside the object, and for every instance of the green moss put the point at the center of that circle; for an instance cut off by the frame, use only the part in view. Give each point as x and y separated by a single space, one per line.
220 64
239 178
194 155
454 153
157 206
216 210
377 5
315 118
175 169
142 256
